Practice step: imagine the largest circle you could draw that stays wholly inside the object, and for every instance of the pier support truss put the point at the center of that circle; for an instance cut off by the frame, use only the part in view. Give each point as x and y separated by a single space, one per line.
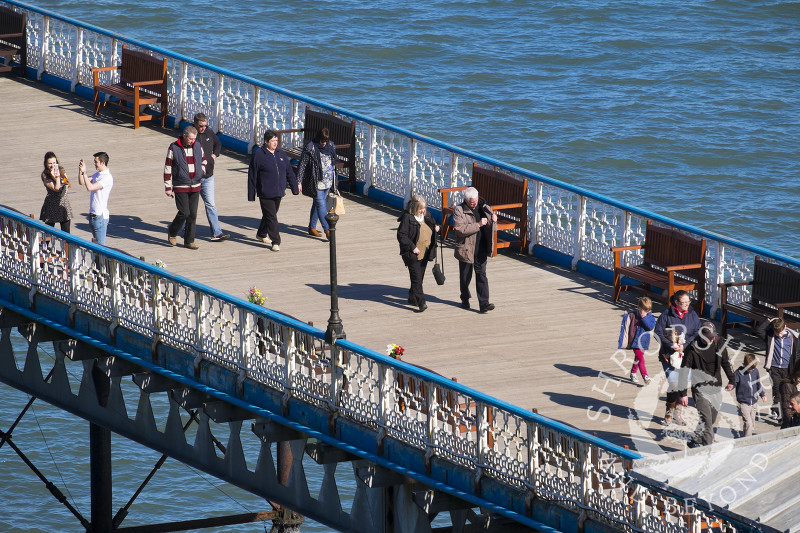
98 386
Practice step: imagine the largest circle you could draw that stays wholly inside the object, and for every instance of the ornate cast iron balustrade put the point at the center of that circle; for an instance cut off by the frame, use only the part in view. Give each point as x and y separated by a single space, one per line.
579 225
523 457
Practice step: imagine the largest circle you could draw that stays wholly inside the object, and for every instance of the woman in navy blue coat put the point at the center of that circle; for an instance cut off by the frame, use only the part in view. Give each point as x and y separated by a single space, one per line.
267 178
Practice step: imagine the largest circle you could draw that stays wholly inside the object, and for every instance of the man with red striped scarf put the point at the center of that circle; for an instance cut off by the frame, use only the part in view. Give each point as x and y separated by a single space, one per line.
183 172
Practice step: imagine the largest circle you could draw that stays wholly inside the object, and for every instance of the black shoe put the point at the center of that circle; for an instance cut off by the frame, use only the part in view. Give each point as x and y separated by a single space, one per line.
465 305
423 306
694 444
486 308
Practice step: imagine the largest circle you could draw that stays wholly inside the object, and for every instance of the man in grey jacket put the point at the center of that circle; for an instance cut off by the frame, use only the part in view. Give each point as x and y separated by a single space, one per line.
474 223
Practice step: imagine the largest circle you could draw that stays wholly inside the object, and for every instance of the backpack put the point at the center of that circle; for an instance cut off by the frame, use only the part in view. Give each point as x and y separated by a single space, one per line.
627 330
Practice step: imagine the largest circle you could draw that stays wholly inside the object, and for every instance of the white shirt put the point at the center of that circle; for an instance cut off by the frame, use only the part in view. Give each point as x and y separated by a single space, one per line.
98 200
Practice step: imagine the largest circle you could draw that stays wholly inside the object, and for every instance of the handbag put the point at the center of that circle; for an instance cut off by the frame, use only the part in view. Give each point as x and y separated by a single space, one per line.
336 203
438 269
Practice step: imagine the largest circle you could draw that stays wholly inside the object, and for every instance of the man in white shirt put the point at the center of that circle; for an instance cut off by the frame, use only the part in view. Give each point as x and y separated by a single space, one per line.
99 187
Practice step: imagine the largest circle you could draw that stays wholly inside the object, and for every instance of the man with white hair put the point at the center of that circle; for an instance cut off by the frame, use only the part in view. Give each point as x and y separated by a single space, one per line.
474 224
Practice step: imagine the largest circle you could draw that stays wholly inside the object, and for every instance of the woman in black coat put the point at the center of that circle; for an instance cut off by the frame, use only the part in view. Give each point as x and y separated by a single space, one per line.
267 178
317 175
417 237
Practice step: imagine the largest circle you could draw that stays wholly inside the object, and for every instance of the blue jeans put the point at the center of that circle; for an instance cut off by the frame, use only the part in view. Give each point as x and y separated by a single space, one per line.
319 209
99 226
207 194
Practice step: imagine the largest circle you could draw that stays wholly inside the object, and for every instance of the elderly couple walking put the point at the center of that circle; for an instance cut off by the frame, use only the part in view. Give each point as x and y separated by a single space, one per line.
474 223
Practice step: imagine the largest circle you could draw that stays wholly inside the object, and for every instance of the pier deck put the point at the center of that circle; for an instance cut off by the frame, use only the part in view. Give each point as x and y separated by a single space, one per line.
549 344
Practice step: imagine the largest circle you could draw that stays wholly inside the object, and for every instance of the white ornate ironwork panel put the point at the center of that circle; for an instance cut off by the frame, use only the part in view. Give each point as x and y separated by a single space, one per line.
274 112
559 465
61 39
360 393
312 370
15 251
736 265
92 278
35 24
54 269
178 312
362 150
237 108
609 492
135 299
407 421
96 51
390 171
200 93
431 172
558 216
662 514
507 452
456 431
634 234
265 353
603 228
220 332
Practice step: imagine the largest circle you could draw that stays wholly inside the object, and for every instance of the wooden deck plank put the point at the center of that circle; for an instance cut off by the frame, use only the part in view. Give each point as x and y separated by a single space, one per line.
549 344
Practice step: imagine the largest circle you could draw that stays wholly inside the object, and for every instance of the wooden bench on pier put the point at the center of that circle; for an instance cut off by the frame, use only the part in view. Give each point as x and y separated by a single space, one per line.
508 198
343 137
774 293
142 81
672 261
13 41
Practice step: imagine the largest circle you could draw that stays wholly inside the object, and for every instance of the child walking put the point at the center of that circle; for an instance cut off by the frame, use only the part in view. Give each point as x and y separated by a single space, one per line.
634 335
747 382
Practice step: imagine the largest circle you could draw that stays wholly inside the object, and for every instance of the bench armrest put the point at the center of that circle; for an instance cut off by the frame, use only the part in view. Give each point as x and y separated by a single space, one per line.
683 267
141 83
616 249
295 130
453 189
9 35
788 304
338 146
505 206
101 69
735 284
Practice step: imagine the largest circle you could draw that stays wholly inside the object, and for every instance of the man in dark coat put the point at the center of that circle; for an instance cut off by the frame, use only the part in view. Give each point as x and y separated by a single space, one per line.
211 148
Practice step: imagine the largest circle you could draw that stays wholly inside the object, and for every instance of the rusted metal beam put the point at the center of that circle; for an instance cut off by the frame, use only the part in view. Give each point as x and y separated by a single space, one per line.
216 521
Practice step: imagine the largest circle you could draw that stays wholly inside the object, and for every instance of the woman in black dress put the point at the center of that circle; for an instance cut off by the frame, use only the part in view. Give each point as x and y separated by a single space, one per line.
56 206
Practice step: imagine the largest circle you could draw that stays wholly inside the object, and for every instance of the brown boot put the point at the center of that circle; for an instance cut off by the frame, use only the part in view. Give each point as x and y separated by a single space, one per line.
679 416
328 234
670 411
314 233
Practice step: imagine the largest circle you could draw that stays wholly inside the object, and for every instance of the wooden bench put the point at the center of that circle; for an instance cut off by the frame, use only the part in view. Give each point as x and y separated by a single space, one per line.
12 39
508 198
775 293
672 261
343 136
142 81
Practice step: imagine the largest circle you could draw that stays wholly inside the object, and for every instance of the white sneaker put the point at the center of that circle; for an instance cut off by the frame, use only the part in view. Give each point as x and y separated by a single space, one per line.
634 378
647 380
265 240
276 248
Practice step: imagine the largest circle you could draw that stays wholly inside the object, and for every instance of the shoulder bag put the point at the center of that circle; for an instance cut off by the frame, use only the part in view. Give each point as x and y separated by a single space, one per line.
438 268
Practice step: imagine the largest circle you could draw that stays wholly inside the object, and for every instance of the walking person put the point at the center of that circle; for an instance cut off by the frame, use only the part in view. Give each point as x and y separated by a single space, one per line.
707 357
267 177
317 175
183 171
417 237
781 360
474 223
211 148
747 382
56 207
676 328
99 187
635 335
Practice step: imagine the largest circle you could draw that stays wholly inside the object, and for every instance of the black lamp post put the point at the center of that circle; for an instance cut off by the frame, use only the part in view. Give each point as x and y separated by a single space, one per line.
335 329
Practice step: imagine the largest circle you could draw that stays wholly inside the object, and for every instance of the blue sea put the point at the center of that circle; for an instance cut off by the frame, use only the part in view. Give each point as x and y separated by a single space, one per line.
686 108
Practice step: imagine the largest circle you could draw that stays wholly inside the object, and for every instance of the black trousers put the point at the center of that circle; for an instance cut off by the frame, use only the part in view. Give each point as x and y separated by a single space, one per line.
481 281
708 400
269 219
416 271
186 202
777 375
